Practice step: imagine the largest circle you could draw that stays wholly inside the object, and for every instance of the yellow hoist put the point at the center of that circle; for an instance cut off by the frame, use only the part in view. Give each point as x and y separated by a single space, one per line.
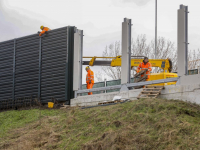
165 64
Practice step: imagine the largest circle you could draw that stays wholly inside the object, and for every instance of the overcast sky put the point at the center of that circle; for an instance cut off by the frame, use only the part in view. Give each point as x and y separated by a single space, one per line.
100 20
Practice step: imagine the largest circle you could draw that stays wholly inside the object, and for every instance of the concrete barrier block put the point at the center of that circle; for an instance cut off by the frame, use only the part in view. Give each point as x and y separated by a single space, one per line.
77 100
172 89
189 93
110 97
91 104
134 93
192 87
89 99
101 97
124 95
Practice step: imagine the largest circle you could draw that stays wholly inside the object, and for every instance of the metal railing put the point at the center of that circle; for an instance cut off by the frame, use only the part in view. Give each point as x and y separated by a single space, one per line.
128 85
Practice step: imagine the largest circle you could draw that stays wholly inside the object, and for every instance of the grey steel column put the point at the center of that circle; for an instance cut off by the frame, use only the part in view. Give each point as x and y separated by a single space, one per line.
14 55
182 40
105 82
81 58
126 51
40 64
78 54
155 29
186 40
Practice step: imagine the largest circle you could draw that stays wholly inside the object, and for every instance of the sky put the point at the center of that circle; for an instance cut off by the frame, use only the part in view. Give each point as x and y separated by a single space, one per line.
101 21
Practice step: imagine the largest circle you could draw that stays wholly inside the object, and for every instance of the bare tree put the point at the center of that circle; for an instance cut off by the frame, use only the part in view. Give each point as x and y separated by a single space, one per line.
194 59
165 50
140 47
112 73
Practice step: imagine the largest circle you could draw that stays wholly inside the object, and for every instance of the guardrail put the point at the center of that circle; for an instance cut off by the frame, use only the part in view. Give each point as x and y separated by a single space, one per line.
128 85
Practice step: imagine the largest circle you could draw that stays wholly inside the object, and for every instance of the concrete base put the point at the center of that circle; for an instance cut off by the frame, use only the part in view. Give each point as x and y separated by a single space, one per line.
189 93
190 79
92 100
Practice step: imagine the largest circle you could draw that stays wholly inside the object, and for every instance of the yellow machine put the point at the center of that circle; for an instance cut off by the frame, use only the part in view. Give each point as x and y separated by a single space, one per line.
164 64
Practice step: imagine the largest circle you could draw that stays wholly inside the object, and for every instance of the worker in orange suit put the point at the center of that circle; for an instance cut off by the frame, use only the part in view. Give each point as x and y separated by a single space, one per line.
89 79
145 65
44 29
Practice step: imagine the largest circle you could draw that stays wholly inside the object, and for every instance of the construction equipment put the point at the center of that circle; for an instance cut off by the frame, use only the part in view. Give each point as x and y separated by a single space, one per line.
164 64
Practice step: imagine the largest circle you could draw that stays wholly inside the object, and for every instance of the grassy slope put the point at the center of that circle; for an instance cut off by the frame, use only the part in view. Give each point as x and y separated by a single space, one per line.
142 124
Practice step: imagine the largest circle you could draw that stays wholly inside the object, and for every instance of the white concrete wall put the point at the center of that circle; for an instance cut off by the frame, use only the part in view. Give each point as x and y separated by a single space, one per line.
91 100
189 93
190 79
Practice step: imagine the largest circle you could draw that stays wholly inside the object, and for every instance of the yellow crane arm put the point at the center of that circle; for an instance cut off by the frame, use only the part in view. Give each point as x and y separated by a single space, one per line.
161 63
164 64
91 63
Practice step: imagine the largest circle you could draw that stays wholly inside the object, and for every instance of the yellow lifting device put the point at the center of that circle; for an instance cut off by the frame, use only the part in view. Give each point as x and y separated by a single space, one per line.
164 64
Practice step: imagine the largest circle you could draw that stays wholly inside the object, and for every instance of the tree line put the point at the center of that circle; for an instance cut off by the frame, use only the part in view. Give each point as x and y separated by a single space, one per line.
141 47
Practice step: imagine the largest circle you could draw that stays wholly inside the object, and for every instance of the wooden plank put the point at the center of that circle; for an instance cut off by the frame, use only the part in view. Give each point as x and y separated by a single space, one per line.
150 92
154 86
139 73
151 86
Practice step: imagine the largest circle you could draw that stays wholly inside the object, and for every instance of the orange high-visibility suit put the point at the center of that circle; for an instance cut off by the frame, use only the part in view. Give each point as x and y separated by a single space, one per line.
90 80
45 29
143 66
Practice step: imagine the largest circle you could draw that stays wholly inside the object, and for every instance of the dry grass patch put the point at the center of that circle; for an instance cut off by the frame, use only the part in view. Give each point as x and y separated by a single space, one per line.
141 124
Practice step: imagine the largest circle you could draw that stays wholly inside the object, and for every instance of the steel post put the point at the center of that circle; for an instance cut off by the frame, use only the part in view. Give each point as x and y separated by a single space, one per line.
126 51
182 40
78 54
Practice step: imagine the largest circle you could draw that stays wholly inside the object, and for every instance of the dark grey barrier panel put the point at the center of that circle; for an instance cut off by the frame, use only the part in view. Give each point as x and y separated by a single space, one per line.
37 67
6 70
54 53
26 68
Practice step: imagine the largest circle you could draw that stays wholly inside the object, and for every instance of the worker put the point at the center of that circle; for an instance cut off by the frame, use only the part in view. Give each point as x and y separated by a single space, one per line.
44 29
145 65
89 79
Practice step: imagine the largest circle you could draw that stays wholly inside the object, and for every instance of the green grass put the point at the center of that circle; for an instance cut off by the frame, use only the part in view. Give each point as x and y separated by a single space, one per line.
141 124
14 119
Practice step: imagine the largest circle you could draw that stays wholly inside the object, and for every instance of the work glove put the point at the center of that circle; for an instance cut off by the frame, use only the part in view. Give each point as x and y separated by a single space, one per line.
90 82
38 32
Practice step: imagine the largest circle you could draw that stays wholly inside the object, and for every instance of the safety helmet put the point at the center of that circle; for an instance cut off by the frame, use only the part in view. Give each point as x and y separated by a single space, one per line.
41 27
87 67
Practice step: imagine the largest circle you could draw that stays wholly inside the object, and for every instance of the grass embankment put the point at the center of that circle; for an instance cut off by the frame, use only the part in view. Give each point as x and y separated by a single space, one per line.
142 124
